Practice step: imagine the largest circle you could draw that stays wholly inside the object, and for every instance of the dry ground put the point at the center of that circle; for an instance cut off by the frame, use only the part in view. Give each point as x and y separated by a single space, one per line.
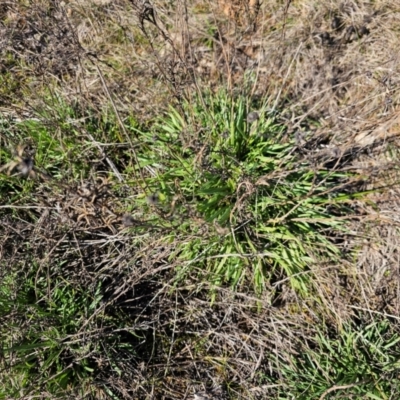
330 67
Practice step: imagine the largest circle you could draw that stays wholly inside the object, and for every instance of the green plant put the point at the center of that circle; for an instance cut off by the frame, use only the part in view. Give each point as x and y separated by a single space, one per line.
45 353
261 207
361 362
56 335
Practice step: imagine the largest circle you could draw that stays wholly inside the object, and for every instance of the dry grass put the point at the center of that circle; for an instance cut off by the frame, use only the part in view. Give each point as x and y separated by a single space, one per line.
331 70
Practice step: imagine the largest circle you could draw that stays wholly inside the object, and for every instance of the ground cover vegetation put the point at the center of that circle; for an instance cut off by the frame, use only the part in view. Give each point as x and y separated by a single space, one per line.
198 199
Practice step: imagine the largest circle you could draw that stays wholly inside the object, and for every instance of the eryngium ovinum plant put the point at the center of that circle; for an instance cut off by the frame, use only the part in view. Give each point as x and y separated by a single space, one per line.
243 197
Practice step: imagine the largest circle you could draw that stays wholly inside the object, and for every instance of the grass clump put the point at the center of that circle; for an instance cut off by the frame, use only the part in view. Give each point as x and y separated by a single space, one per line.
361 362
40 354
242 194
57 336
